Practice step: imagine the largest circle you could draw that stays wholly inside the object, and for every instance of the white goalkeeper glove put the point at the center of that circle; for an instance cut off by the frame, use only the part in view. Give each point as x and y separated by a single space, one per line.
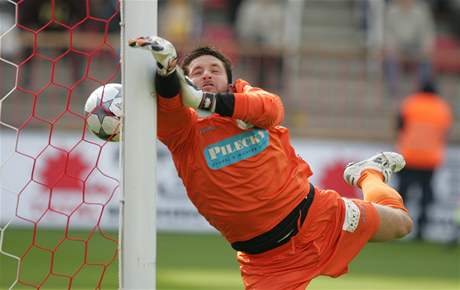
162 50
166 57
194 97
204 102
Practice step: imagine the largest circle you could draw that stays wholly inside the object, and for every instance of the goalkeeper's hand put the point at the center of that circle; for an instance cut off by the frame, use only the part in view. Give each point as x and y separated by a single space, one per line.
194 97
162 50
204 101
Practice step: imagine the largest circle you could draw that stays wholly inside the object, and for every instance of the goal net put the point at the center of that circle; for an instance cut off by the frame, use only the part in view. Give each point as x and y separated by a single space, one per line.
60 186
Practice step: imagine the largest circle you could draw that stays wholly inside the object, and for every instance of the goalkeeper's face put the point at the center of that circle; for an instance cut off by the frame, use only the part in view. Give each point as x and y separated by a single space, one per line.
208 74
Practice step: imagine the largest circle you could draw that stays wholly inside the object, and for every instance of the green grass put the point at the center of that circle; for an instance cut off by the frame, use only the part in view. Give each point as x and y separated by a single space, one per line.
206 262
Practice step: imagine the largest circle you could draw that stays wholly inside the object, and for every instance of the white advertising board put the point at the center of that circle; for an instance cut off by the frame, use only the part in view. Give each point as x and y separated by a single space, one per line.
85 188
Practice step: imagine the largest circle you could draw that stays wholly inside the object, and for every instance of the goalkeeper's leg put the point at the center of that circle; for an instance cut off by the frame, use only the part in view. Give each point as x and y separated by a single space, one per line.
381 216
371 176
395 221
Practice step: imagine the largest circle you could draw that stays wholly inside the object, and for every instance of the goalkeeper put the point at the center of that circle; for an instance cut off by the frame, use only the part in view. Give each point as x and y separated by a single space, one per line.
244 177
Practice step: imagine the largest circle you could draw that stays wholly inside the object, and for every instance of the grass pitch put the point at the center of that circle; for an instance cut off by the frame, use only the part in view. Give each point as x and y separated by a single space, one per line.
206 262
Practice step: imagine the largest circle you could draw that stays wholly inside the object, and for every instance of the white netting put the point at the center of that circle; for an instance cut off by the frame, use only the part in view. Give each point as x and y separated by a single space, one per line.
57 181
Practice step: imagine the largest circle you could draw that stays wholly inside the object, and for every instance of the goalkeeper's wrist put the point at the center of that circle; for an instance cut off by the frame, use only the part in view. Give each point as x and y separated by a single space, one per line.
220 103
165 71
167 86
225 104
208 102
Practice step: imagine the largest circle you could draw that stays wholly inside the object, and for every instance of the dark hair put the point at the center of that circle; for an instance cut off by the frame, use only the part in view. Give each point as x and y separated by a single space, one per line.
208 50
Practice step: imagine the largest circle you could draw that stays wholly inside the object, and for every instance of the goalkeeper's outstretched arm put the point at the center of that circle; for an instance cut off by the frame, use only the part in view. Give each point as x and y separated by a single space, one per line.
174 120
252 105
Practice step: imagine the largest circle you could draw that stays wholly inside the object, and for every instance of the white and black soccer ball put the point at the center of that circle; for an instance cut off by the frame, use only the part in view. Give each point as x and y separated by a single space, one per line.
104 111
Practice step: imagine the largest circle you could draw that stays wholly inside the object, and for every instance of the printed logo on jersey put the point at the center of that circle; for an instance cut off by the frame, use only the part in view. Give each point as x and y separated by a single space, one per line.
236 148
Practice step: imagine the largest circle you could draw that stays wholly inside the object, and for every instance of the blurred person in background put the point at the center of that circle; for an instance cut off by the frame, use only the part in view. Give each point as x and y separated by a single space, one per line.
7 20
241 172
409 34
423 123
176 18
264 32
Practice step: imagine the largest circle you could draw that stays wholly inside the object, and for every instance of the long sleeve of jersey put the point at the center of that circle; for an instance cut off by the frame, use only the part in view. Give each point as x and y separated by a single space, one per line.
175 121
256 106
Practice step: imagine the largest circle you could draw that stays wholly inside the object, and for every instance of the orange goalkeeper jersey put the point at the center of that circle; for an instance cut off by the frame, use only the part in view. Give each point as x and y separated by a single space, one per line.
243 181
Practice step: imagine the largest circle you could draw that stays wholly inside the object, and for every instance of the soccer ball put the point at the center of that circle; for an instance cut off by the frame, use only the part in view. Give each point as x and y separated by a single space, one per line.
104 112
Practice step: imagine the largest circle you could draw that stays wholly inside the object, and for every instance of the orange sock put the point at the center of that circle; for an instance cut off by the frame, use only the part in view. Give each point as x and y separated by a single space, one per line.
377 191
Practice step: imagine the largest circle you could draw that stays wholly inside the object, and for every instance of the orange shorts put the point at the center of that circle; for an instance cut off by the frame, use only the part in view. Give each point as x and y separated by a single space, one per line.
333 233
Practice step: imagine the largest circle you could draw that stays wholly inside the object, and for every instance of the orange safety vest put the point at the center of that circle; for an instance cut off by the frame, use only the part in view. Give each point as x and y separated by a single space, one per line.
422 139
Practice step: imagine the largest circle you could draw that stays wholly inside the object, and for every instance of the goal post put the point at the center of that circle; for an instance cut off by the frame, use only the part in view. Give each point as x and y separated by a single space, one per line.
138 150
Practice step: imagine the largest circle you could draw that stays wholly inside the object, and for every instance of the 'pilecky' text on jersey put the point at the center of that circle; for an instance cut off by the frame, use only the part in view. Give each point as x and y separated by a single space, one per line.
236 148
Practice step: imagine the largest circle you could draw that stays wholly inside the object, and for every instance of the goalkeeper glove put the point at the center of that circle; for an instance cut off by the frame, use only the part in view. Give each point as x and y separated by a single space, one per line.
204 102
162 50
194 97
166 57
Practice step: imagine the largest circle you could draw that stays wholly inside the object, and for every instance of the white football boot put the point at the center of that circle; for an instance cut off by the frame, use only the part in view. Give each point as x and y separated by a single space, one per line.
162 50
385 162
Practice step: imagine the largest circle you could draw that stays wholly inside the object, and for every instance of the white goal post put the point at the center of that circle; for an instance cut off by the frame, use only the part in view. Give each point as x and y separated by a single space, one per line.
138 150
